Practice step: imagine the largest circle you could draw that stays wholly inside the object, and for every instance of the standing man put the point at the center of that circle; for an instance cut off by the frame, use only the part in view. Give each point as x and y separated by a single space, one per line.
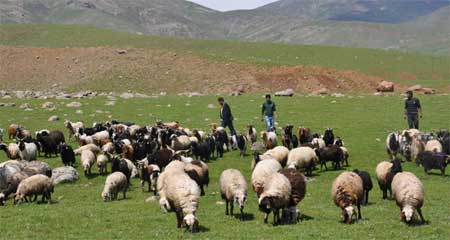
225 116
269 112
412 110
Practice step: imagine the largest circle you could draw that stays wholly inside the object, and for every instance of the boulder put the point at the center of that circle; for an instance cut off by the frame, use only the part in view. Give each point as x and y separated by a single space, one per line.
122 51
64 175
428 91
25 106
127 95
53 118
385 86
48 105
322 91
417 87
74 104
285 93
211 106
235 93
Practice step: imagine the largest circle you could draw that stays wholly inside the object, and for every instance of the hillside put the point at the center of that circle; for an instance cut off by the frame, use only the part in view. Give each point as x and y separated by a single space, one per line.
36 57
368 24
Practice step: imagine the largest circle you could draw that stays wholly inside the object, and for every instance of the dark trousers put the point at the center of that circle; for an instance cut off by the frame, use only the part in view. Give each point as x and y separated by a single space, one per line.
229 124
413 121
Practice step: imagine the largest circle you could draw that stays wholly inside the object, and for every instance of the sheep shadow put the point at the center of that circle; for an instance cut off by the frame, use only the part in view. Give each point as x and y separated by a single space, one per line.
202 229
246 216
304 217
417 223
436 174
92 176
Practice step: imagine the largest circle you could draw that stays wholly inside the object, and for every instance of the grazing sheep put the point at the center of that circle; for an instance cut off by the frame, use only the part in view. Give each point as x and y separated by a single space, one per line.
262 172
276 196
67 155
108 147
37 167
328 136
91 147
102 162
120 165
101 138
233 189
269 139
409 195
241 144
182 195
13 182
279 153
367 184
347 191
28 151
35 185
302 158
251 134
432 160
330 153
87 161
116 182
180 143
433 146
12 150
393 144
298 191
73 127
385 172
12 130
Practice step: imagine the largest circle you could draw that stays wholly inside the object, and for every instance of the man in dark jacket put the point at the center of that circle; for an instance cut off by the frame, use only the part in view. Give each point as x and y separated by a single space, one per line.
226 116
412 110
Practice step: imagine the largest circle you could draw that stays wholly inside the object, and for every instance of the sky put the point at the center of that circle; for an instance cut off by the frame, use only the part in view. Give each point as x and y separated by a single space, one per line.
227 5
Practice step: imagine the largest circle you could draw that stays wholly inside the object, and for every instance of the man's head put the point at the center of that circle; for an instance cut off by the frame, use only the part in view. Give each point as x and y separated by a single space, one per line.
409 94
221 101
268 97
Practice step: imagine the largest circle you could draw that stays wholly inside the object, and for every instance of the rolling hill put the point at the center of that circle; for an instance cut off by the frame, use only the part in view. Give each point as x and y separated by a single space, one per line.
369 24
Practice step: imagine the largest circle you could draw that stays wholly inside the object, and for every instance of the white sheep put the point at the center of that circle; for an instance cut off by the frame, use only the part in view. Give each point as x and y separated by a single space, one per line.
382 170
102 162
116 182
180 143
276 196
318 143
347 191
33 186
233 189
280 153
433 146
108 148
269 139
409 195
132 130
84 139
262 172
181 194
91 147
302 158
417 147
101 138
87 161
28 151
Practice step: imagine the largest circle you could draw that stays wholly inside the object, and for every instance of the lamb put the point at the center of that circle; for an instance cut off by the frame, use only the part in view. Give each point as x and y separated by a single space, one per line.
276 196
328 136
393 144
116 182
347 190
73 127
409 195
433 146
181 194
149 174
12 150
251 134
262 172
432 160
298 191
102 162
28 151
91 147
367 184
269 139
302 158
87 161
233 189
330 153
180 143
35 185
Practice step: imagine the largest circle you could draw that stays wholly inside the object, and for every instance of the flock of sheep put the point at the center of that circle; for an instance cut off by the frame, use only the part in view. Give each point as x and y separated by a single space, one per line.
172 160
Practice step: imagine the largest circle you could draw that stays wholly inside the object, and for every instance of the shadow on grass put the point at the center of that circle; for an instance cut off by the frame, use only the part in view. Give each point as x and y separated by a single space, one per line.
246 216
436 174
417 223
202 229
92 176
305 217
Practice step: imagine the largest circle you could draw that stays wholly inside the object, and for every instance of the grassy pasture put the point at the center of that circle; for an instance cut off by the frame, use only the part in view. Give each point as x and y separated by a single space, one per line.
362 121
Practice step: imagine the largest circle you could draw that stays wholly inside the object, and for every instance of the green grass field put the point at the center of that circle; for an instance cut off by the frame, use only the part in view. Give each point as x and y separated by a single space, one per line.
429 70
362 121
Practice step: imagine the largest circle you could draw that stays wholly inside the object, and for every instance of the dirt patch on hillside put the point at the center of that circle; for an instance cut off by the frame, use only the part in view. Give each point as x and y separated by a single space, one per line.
148 70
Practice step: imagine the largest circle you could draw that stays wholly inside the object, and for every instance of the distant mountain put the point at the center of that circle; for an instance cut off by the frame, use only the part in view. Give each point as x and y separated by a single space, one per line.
386 24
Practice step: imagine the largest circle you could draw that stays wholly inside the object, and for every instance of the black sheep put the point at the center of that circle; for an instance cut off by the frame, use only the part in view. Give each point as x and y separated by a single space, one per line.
396 168
328 136
212 144
119 165
241 144
220 140
367 184
431 160
332 154
294 141
160 157
67 155
201 151
50 142
87 131
444 138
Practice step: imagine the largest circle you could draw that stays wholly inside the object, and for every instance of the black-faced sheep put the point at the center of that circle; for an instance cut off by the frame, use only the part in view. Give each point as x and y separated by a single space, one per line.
409 195
302 158
298 191
33 186
367 184
67 155
393 144
275 197
116 182
119 165
201 151
28 151
432 160
262 172
347 191
233 189
330 153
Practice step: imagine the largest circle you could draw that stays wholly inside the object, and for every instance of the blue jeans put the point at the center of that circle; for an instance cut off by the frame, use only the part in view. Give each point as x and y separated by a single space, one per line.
270 124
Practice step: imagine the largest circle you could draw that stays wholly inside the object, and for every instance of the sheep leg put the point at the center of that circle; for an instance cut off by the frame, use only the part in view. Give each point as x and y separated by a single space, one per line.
142 185
366 199
231 208
420 214
35 197
266 216
242 214
179 219
226 207
125 194
202 193
359 211
49 198
276 216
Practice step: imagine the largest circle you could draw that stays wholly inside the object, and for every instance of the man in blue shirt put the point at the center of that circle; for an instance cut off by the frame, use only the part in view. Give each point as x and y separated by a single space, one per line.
413 110
269 112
